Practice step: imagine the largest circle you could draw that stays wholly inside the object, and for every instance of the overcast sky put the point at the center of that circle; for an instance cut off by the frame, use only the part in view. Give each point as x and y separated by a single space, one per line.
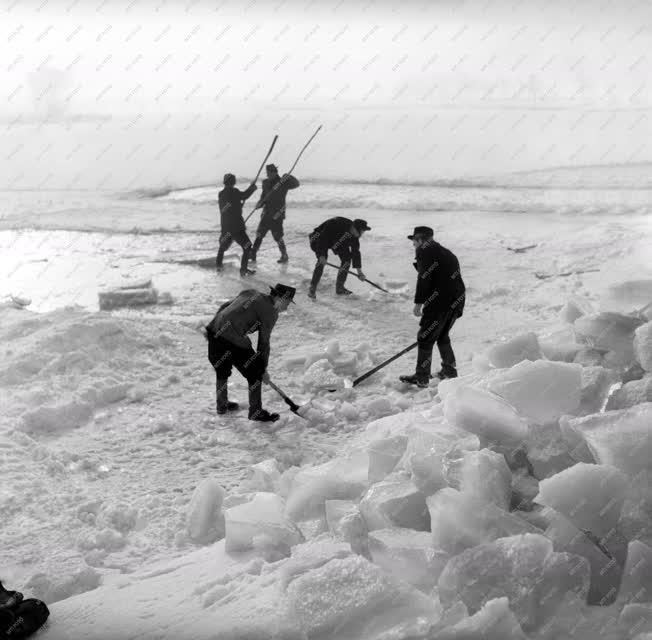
360 67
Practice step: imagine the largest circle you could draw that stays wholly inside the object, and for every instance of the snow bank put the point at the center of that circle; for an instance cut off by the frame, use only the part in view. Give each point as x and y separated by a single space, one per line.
61 367
500 510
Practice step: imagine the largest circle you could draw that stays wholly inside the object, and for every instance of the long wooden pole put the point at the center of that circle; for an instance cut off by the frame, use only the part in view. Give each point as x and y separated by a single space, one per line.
364 376
269 153
305 146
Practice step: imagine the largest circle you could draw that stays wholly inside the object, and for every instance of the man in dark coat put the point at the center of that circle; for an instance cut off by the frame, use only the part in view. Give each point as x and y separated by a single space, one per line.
342 236
229 344
232 227
439 301
272 200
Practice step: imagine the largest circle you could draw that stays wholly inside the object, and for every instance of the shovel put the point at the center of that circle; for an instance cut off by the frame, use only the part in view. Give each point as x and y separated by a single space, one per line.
348 384
373 284
294 407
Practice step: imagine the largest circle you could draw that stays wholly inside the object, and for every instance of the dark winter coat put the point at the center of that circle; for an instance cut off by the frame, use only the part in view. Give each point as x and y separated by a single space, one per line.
335 234
248 312
273 195
439 283
230 200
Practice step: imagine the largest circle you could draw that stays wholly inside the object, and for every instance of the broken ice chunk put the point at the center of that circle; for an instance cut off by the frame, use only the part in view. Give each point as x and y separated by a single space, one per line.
636 585
395 503
597 383
575 308
311 555
320 375
608 330
591 496
541 391
513 351
117 298
605 556
643 345
383 456
622 439
560 345
338 479
204 520
460 521
487 415
631 394
264 476
494 621
548 452
485 474
345 521
523 568
260 523
637 616
408 555
351 598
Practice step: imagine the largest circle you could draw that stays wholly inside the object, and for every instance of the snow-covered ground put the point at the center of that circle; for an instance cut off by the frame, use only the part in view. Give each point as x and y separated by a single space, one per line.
119 481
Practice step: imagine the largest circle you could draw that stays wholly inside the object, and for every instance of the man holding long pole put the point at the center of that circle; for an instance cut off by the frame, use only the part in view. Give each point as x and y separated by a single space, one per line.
232 225
272 201
438 301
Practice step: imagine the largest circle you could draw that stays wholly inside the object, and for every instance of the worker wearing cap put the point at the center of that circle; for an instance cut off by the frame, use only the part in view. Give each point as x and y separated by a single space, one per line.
232 228
342 236
272 200
229 344
438 300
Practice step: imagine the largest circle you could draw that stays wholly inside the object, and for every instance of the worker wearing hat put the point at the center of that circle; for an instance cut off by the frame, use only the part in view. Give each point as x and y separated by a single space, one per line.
232 226
272 201
229 344
342 236
438 302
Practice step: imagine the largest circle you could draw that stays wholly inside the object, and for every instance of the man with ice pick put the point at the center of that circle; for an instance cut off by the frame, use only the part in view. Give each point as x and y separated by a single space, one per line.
438 301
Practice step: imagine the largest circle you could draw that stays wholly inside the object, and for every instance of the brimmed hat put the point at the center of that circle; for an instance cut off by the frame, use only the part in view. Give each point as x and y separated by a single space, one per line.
271 167
283 291
426 232
361 225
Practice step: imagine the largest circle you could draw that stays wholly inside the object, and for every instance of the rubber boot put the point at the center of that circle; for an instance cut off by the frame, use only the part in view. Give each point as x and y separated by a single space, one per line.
256 411
420 381
222 394
284 254
341 279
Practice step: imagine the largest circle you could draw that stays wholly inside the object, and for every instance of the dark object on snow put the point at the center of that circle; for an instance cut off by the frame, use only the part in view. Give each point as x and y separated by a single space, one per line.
20 617
544 276
521 249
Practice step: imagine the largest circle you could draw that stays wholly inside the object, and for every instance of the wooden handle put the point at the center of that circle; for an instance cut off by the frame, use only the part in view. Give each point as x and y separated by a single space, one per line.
364 376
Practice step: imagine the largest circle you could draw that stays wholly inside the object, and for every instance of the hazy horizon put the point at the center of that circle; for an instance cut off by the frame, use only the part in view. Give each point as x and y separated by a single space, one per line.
140 94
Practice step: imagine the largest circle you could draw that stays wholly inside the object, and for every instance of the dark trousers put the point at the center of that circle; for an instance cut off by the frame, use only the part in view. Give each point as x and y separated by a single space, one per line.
434 328
226 240
345 264
273 223
224 355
